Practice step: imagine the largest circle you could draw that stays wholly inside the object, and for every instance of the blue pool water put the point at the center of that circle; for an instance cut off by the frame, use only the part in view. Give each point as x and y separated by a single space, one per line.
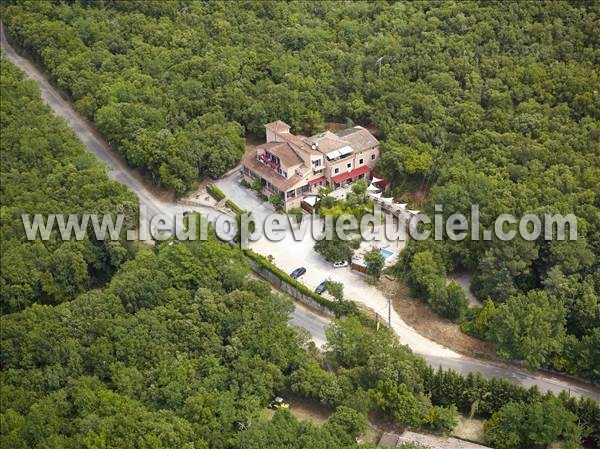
386 253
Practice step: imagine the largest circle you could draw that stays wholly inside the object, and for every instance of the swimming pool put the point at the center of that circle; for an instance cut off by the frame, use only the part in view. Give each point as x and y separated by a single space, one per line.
386 253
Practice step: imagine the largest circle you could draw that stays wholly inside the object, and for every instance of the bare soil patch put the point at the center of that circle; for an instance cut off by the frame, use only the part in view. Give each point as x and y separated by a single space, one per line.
313 411
251 144
417 314
309 410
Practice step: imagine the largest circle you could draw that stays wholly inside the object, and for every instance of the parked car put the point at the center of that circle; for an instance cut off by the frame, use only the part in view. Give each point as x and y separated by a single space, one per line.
340 264
278 404
298 272
321 287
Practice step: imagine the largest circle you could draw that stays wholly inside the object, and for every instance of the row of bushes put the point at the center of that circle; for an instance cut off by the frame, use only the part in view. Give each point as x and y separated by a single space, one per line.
216 193
475 394
234 207
219 195
339 308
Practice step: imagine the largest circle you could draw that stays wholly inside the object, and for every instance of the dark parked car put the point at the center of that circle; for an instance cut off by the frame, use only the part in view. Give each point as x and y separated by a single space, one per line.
298 272
321 287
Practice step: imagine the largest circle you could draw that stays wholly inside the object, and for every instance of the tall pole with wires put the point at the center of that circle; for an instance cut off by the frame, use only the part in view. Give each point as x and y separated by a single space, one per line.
379 64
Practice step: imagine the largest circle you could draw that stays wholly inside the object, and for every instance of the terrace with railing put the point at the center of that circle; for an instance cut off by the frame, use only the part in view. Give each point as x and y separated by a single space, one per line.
269 160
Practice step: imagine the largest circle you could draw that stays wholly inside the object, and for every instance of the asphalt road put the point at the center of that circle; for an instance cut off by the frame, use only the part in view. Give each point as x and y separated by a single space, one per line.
301 317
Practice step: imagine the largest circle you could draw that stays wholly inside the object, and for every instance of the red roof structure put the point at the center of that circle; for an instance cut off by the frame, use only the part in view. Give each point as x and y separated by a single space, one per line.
351 174
316 181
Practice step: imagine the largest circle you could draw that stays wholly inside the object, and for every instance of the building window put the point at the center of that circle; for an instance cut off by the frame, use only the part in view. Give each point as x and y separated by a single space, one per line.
349 165
336 170
361 161
372 157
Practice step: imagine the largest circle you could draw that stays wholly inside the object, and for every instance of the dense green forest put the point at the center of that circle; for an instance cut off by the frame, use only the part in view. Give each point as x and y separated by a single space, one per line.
488 103
112 345
45 170
182 348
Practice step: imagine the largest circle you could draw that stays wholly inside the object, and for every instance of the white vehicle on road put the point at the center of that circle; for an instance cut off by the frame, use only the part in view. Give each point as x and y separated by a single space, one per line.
340 264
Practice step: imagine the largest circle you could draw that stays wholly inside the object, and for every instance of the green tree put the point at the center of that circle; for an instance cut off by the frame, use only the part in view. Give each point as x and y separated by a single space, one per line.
399 402
347 422
335 289
334 249
360 187
528 327
425 272
519 425
479 324
375 262
452 304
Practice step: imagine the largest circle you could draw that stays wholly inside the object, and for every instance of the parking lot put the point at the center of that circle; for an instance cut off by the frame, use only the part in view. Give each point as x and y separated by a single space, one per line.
289 254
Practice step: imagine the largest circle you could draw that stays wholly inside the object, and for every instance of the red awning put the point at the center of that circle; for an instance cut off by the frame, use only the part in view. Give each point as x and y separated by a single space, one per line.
351 174
316 180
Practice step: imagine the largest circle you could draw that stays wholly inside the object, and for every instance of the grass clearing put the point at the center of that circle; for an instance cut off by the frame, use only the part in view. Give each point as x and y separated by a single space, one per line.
469 429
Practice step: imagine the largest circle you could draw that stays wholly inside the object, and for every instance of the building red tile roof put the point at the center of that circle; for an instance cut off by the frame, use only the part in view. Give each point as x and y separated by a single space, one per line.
358 137
284 151
316 180
278 126
281 183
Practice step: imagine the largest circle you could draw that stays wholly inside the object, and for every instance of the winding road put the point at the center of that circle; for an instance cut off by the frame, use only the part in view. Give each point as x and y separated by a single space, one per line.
302 317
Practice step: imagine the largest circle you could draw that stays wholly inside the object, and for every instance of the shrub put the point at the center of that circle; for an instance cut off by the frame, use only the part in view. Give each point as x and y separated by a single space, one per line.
275 200
257 184
215 192
441 419
340 309
375 262
234 207
449 301
477 322
297 213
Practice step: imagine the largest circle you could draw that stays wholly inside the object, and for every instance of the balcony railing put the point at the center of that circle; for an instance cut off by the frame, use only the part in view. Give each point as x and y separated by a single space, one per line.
269 162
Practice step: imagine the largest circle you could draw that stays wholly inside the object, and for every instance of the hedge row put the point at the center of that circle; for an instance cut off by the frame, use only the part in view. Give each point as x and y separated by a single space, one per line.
340 309
448 387
215 192
219 195
234 207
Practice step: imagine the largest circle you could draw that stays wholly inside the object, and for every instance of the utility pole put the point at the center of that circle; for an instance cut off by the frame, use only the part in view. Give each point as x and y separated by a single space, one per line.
379 63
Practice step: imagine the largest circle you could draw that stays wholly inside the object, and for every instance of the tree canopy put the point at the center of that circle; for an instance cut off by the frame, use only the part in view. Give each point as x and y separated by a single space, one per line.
46 170
176 346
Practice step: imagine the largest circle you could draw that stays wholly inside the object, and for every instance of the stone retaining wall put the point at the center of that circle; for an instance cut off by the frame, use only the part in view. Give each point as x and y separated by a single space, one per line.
276 282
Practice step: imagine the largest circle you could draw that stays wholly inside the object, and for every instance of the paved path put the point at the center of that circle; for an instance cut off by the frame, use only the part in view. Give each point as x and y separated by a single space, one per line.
435 354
